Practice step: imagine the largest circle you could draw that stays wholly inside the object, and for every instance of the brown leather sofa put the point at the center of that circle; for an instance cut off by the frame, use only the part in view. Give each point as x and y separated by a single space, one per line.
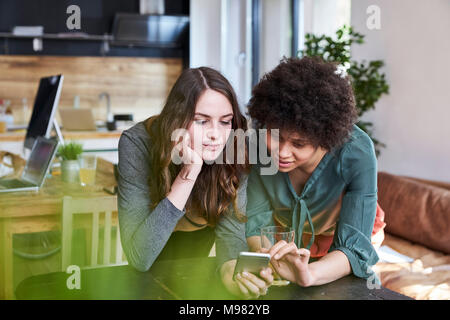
417 217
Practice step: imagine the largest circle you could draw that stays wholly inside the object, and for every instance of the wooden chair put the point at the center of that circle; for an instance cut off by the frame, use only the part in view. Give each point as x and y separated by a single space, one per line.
94 207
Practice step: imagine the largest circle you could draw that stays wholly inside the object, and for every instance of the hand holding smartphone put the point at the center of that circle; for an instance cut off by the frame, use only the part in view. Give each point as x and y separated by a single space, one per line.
251 262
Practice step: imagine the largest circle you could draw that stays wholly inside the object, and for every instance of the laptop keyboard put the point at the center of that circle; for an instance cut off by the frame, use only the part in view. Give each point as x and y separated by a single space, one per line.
15 183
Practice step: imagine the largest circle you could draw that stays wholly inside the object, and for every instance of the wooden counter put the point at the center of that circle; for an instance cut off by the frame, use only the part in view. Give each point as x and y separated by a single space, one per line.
28 212
104 143
48 199
137 85
69 135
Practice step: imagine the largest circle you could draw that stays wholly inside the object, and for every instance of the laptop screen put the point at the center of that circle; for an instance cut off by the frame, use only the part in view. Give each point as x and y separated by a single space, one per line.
45 104
41 155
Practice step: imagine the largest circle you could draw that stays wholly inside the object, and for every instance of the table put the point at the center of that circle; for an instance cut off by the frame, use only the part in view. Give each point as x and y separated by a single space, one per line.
27 212
191 279
103 143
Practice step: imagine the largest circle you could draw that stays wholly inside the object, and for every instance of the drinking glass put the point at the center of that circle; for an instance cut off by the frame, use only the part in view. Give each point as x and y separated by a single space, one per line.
88 167
269 237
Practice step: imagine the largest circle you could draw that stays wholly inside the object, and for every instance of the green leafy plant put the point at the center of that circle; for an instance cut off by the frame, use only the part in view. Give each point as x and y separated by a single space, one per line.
368 82
70 151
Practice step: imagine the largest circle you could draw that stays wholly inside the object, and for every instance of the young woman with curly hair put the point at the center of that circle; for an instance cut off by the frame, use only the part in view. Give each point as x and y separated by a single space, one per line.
169 210
326 184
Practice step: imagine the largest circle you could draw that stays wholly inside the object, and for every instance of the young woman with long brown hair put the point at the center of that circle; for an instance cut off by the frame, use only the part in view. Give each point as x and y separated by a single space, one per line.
169 210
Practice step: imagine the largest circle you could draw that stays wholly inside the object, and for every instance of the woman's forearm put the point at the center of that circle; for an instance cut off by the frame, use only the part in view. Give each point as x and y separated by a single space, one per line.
182 186
254 243
329 268
145 232
143 240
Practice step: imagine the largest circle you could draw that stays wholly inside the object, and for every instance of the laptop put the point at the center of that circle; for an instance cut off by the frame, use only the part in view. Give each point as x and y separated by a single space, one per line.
44 109
77 119
36 169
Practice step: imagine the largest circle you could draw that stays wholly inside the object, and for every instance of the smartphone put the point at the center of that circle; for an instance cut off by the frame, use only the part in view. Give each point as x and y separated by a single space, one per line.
251 262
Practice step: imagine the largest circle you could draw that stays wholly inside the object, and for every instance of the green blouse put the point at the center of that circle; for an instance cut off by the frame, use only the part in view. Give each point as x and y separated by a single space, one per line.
339 199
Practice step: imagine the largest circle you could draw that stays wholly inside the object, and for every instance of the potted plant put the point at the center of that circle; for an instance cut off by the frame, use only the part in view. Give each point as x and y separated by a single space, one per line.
70 166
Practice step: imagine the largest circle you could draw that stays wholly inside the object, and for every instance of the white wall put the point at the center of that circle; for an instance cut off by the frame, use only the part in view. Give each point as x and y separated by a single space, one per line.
329 15
236 47
275 34
413 120
217 43
325 16
218 39
205 33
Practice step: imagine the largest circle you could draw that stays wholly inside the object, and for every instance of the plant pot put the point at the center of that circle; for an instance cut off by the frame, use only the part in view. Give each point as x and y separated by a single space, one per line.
70 171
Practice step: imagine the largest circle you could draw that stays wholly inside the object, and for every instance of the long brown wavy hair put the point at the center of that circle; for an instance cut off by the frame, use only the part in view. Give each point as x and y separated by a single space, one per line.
216 186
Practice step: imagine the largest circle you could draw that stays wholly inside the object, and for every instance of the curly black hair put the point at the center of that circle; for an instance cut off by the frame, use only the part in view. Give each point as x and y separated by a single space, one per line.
306 96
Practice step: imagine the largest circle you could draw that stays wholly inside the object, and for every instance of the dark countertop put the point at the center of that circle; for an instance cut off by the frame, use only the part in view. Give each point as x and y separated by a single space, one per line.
184 279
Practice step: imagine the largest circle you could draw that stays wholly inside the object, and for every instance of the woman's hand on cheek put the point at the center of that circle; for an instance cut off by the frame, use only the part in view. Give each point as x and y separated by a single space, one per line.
193 153
190 159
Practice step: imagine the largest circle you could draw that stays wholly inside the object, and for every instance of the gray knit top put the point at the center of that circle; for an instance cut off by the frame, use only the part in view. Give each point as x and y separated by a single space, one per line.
146 232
